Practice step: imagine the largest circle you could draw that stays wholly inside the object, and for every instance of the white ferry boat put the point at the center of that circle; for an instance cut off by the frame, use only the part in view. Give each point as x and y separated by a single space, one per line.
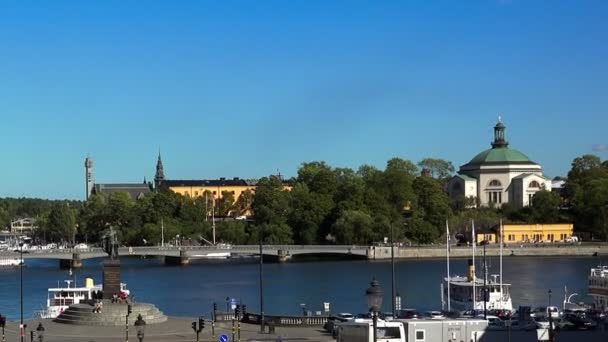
60 298
11 262
598 287
466 293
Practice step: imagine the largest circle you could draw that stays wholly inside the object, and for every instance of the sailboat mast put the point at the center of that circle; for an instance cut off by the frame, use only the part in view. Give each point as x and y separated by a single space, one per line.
162 233
501 243
447 250
474 275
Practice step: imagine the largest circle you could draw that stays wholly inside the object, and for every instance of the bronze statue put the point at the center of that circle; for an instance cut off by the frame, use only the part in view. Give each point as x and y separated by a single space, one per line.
110 243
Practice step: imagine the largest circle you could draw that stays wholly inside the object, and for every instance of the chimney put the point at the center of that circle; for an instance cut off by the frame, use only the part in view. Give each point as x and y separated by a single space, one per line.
471 276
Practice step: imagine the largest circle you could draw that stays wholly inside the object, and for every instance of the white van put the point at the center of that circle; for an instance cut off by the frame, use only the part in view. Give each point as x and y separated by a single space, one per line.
362 330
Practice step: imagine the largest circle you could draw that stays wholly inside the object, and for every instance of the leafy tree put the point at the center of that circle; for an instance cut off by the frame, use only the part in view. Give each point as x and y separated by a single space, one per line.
233 232
545 207
420 230
244 202
439 168
60 225
353 227
225 204
398 178
432 201
308 211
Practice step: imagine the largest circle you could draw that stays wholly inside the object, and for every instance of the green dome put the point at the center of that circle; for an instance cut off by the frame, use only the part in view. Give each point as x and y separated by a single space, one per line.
500 155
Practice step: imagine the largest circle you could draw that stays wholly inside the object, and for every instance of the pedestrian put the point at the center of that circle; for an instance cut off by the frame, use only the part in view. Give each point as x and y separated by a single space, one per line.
114 297
123 296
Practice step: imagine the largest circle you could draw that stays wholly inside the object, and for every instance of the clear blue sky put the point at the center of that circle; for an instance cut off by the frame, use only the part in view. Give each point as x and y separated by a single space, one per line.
243 88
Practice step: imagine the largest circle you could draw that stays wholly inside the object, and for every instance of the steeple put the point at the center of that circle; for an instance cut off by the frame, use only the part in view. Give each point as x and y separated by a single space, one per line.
160 172
499 135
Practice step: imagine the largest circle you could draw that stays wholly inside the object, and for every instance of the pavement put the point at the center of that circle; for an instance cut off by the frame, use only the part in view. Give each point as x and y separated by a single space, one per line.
180 330
174 330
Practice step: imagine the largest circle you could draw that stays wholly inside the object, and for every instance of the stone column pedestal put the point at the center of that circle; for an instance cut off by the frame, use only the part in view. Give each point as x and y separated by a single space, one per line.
111 278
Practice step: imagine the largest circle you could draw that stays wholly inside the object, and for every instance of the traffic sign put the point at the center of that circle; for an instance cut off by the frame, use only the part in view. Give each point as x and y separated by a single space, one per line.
233 303
224 338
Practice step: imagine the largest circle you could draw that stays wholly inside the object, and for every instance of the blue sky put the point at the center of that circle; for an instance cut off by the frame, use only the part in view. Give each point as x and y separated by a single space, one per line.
246 88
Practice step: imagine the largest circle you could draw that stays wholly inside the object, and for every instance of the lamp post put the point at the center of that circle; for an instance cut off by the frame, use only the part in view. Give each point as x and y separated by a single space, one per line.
261 285
21 326
374 302
394 302
549 313
140 327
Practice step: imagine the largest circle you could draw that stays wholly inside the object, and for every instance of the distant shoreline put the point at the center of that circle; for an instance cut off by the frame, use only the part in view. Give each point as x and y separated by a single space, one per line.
383 253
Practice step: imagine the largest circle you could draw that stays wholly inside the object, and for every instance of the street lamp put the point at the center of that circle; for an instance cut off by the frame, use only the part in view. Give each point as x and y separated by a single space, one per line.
40 332
140 327
549 292
21 326
374 302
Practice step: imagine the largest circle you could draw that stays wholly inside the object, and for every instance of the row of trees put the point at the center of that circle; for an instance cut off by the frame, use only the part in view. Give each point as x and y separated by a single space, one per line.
324 205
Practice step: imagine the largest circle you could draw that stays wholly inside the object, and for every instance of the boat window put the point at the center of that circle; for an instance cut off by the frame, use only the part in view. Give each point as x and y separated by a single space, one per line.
388 332
419 335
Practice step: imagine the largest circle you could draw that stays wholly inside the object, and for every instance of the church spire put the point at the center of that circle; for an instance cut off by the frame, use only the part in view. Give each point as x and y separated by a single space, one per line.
160 172
499 135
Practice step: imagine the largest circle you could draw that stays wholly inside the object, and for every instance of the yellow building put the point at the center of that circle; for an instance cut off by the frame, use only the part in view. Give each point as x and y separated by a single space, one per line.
213 190
528 233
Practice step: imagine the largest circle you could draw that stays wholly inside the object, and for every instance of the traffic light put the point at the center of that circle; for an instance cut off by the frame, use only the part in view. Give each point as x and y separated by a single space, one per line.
237 311
194 326
201 322
214 306
129 309
2 321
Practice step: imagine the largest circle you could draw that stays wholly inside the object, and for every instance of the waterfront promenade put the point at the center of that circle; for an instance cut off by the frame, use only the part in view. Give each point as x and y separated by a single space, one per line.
179 330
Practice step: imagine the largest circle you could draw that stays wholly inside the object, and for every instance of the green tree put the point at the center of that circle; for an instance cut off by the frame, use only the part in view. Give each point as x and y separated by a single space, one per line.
433 202
60 225
225 205
545 207
244 202
439 168
353 227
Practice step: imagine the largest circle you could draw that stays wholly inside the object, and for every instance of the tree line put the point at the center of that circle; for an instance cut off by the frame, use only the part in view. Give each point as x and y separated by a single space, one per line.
326 205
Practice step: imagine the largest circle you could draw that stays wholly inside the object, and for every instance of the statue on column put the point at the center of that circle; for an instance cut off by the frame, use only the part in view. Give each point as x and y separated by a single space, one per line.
110 243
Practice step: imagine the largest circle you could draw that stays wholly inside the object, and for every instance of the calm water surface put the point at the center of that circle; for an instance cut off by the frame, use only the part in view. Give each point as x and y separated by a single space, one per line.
191 290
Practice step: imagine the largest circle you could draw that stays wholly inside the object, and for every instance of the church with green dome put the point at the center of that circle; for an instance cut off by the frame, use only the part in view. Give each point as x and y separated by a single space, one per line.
497 176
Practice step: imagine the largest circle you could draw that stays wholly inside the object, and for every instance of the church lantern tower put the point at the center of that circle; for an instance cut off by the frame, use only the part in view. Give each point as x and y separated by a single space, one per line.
500 140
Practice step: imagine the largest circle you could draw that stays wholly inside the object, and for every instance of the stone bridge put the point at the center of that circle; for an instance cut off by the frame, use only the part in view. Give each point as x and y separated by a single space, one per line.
70 257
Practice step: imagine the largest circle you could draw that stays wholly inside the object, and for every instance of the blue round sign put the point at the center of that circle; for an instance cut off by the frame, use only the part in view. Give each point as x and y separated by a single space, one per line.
223 338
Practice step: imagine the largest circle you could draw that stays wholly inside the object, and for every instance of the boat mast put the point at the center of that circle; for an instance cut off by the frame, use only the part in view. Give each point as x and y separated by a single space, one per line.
447 250
501 282
162 233
474 275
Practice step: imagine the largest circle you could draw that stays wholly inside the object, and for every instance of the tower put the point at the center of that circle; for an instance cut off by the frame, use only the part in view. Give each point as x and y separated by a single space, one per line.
88 166
160 172
499 135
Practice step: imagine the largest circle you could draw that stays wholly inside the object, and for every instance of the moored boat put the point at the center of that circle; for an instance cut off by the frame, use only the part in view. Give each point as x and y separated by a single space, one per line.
60 298
11 262
598 287
466 293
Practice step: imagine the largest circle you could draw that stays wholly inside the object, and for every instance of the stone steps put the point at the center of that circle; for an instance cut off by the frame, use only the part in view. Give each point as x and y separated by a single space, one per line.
110 315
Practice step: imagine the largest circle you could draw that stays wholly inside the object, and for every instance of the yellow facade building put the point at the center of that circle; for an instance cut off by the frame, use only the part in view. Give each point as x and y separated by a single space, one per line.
529 233
214 190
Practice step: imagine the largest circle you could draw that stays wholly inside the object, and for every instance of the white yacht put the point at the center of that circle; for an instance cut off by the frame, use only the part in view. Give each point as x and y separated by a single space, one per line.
60 298
466 293
8 262
598 287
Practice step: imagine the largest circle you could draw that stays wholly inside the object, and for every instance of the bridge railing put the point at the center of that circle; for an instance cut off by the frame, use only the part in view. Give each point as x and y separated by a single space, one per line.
285 320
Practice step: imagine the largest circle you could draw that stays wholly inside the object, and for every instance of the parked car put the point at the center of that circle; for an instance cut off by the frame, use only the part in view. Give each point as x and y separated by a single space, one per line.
81 246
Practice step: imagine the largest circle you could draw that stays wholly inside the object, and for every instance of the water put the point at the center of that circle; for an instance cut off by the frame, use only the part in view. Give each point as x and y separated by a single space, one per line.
191 290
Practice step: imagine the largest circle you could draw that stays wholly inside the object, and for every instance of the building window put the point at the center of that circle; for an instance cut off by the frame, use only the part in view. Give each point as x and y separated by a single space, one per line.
530 196
534 184
214 193
196 193
419 335
495 197
495 182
